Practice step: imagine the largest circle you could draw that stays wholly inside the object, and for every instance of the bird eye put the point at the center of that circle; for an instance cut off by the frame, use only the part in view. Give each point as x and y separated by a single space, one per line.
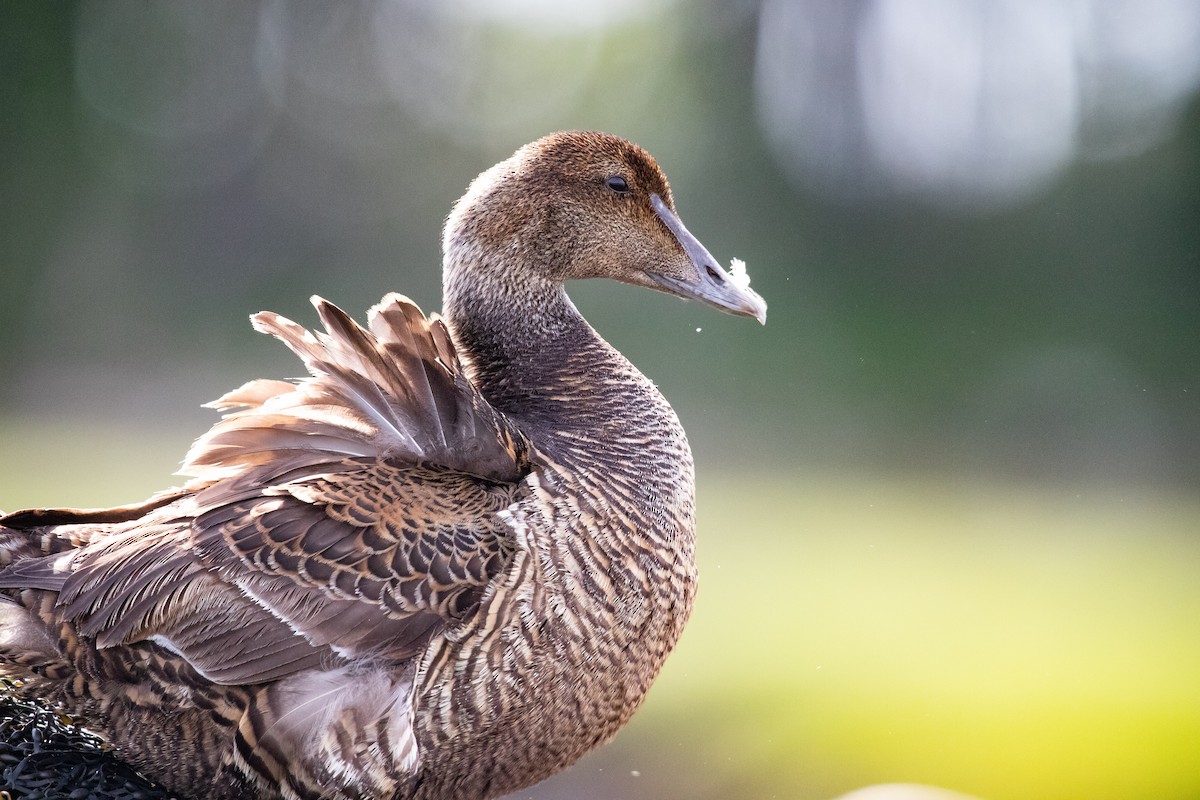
617 184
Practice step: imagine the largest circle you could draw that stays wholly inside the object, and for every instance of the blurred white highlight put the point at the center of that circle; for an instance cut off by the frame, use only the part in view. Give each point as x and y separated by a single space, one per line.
967 104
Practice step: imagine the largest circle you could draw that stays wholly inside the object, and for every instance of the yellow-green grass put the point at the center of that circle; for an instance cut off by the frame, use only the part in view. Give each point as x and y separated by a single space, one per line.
1006 641
62 462
1009 641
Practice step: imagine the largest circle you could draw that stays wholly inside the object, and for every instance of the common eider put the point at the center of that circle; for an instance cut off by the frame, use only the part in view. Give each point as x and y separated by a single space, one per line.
443 566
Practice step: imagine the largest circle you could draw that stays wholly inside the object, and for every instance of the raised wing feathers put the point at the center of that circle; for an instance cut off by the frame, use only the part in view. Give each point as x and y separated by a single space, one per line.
348 515
396 391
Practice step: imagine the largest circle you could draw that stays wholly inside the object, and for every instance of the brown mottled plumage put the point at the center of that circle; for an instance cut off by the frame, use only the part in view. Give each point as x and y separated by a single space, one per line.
445 565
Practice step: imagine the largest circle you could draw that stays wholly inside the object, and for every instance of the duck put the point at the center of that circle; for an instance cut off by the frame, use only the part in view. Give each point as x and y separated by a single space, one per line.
447 563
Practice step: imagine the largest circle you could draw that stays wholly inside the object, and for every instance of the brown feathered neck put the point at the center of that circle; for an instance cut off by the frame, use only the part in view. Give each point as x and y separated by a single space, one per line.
527 348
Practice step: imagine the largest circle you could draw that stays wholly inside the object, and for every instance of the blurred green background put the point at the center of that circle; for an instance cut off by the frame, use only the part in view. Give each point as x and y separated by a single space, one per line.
949 531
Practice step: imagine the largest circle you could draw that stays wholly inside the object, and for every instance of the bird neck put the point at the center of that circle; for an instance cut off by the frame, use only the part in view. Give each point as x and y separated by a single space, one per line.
530 351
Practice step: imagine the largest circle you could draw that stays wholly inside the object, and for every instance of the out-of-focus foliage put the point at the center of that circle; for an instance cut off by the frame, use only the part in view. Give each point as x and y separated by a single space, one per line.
975 224
978 229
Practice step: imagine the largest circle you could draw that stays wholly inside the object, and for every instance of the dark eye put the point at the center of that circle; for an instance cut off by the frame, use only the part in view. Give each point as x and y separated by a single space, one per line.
617 184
